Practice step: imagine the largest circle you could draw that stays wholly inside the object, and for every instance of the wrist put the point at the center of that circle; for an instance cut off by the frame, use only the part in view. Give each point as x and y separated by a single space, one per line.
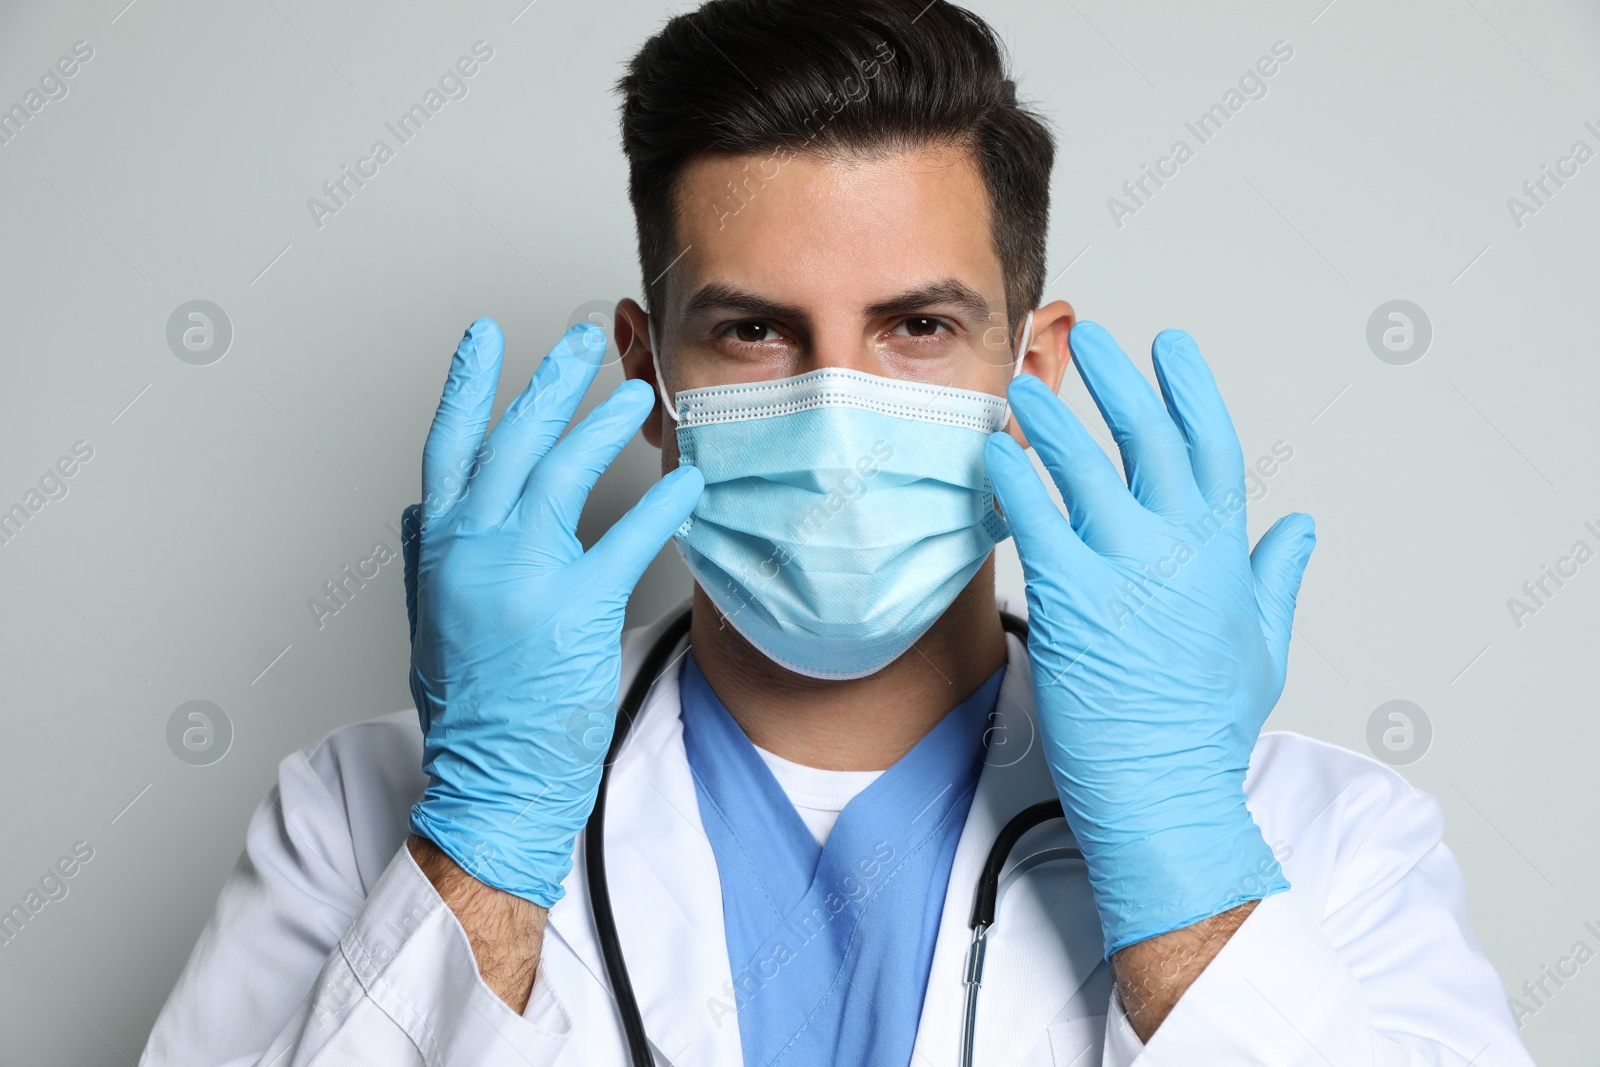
506 932
528 865
1153 975
1154 883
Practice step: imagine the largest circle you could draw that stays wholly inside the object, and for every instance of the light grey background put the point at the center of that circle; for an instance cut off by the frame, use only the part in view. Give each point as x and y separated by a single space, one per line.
220 498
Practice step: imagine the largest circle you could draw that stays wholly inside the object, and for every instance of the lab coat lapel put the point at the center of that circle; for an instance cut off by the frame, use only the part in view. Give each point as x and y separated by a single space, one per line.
1043 970
664 892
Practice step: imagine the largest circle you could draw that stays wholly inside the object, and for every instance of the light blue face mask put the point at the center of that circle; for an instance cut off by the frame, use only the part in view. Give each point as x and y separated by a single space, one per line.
843 512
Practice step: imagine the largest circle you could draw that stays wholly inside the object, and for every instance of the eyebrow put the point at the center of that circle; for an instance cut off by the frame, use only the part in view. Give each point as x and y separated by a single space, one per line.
719 297
716 296
948 291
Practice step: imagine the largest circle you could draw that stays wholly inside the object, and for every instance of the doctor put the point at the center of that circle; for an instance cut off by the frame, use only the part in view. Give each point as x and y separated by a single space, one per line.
841 210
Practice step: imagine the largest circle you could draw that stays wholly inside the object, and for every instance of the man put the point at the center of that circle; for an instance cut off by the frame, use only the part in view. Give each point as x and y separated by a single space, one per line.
841 211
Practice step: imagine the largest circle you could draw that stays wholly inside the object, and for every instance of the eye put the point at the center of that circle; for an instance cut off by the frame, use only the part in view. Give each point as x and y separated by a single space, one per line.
922 326
753 332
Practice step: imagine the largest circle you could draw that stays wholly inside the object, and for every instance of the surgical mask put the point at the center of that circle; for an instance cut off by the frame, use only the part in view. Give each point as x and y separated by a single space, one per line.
843 512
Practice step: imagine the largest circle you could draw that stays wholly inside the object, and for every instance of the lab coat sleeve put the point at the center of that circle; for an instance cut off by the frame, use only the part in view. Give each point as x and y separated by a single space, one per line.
1367 961
304 965
402 987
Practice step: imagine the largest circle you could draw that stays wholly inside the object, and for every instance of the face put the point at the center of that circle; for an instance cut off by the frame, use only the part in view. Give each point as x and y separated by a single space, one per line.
884 266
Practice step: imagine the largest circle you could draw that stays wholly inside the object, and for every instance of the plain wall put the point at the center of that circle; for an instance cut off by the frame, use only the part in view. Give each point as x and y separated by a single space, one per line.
220 498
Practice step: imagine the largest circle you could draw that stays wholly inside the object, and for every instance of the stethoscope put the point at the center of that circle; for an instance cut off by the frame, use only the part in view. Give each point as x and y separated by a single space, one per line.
990 882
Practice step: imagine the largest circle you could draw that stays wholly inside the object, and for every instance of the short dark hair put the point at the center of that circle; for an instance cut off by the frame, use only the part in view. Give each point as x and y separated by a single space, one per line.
833 78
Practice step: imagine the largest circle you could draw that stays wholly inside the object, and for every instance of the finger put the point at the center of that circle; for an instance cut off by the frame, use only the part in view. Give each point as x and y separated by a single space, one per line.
1278 564
1098 504
628 547
563 479
1195 404
462 417
533 422
410 551
1153 452
1041 531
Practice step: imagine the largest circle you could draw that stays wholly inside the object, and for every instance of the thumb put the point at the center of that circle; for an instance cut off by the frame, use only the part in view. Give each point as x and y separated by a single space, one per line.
1278 564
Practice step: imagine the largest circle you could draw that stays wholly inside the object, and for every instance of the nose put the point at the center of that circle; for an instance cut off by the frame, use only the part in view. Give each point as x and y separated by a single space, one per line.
839 341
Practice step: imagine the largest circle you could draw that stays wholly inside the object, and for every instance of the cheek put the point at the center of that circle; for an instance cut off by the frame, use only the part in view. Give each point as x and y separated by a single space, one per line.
1015 430
985 368
669 445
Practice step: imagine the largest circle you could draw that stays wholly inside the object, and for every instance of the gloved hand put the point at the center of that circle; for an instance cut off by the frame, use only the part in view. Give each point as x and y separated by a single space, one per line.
515 653
1158 644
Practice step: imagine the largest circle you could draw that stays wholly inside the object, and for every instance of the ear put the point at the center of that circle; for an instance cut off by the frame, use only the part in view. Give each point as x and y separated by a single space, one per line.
632 332
1048 353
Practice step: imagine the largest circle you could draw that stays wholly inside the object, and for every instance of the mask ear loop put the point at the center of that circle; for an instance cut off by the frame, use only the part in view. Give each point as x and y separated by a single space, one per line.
1016 369
661 381
1003 529
672 413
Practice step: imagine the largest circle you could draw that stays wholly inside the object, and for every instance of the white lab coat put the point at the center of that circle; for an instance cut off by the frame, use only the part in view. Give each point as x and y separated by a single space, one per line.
329 946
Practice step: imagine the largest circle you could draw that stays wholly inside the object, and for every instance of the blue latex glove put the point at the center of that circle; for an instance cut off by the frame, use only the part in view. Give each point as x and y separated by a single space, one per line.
1158 642
515 653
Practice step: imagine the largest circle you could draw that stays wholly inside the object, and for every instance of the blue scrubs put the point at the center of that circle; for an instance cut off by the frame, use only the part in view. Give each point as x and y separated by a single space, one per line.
830 945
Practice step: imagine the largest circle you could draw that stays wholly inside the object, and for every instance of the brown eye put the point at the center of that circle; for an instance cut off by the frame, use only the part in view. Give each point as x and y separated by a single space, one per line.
922 326
751 332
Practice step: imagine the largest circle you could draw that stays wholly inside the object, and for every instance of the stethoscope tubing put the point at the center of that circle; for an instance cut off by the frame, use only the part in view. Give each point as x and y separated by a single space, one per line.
594 849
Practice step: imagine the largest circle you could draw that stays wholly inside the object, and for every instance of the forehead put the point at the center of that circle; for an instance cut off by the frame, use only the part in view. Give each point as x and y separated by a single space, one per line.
817 229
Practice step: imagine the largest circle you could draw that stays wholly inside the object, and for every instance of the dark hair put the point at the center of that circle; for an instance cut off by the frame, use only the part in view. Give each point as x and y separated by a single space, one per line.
830 78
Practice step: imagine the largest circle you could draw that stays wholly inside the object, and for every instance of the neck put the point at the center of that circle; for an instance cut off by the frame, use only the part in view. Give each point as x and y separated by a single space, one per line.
862 724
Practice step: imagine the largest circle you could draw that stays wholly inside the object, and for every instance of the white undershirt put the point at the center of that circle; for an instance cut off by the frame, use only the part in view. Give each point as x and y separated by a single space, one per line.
818 795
